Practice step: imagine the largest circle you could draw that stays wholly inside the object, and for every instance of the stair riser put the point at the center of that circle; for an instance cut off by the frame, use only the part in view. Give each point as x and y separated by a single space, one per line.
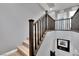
25 44
22 52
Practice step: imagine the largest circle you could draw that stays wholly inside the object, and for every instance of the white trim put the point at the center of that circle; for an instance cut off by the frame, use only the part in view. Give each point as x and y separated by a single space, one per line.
8 53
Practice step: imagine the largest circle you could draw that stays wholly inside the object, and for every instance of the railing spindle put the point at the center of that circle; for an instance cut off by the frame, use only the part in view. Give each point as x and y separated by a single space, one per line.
38 31
35 38
46 20
40 27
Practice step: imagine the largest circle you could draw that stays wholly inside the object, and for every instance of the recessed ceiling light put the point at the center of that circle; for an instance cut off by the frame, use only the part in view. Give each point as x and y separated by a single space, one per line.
51 9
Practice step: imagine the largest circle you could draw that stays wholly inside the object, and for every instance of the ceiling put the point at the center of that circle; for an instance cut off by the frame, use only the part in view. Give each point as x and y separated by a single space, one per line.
57 6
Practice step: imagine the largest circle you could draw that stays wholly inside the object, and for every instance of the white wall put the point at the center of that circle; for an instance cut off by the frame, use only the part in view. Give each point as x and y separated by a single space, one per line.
46 45
50 43
14 25
53 15
74 41
62 35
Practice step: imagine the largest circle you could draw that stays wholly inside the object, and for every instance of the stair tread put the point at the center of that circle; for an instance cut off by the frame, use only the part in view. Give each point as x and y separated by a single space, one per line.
26 44
16 54
23 49
26 41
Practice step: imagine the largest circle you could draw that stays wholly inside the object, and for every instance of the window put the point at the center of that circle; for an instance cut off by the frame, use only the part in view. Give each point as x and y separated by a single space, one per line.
66 23
61 25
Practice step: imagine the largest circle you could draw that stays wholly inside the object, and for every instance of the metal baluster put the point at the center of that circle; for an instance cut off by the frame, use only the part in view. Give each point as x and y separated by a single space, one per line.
35 38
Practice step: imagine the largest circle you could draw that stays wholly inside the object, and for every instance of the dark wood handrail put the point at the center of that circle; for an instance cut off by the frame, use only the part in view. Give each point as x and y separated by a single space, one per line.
38 19
37 32
63 19
51 17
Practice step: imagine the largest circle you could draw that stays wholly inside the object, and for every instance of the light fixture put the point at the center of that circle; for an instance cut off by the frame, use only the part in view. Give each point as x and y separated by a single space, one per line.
51 9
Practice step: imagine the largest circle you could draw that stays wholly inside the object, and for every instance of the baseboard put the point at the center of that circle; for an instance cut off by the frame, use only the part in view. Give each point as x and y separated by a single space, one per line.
8 53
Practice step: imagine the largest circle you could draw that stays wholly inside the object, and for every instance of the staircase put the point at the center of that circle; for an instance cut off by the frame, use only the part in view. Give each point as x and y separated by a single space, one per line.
22 50
37 32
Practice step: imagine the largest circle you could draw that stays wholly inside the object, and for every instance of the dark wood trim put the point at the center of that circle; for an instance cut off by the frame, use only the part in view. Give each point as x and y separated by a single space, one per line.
40 26
38 31
31 50
46 21
50 17
35 38
39 19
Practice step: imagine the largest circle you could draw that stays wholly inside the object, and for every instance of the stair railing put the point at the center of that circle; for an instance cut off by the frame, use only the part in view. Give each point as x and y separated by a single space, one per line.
37 32
63 24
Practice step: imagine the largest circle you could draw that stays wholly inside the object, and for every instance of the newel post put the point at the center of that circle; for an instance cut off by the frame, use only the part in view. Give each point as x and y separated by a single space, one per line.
31 51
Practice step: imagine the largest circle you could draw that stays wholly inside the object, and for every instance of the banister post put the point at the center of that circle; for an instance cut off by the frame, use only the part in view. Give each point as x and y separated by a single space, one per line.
46 25
31 50
46 12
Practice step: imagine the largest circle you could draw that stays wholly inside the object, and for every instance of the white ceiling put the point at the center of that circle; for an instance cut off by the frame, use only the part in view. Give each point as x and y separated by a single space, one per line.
57 6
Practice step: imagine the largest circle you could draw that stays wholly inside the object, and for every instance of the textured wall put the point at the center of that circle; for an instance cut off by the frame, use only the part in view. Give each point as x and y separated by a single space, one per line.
14 25
50 43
